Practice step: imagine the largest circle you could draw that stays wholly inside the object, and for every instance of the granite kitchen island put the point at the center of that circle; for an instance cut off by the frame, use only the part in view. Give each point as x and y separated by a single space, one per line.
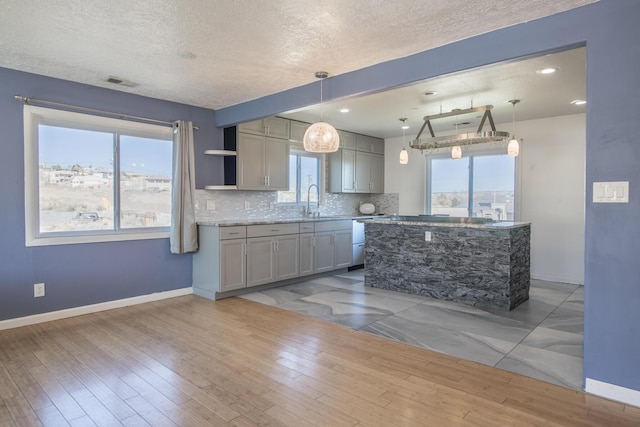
466 259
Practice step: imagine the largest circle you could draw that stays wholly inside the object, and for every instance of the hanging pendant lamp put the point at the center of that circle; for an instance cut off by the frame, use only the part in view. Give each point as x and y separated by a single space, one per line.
456 150
321 137
513 148
404 155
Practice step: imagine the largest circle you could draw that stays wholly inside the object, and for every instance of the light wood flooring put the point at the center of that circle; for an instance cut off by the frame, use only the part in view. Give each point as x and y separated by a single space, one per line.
190 361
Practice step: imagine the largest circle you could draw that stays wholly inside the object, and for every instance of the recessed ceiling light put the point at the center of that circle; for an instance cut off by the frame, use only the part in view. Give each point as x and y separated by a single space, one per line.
344 110
430 92
548 70
405 127
578 102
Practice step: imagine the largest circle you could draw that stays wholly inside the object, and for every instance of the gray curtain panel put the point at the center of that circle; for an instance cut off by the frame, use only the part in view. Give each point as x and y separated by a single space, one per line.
184 230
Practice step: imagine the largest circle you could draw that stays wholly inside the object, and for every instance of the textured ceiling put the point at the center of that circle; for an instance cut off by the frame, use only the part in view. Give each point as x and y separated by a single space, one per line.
217 53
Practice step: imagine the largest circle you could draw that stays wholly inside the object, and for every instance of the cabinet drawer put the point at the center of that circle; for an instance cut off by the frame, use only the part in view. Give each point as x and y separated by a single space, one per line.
306 227
236 232
341 224
272 229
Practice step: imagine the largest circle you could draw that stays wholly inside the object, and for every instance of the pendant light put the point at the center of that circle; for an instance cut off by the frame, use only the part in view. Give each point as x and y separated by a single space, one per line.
404 155
321 137
513 148
456 150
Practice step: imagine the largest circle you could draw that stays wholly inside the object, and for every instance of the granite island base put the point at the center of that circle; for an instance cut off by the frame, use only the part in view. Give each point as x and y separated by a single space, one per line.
485 265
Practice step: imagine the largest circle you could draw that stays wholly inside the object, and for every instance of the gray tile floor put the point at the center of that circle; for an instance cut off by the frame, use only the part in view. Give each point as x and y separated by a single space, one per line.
541 338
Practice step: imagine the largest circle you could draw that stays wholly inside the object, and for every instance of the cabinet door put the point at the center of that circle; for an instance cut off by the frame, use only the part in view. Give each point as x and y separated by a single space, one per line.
377 146
347 140
343 248
363 172
277 127
277 164
377 173
297 130
232 265
287 256
306 254
250 161
348 171
255 127
260 263
324 252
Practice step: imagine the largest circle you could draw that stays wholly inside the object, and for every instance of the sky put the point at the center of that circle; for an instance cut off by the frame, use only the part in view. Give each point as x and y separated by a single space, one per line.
491 173
65 147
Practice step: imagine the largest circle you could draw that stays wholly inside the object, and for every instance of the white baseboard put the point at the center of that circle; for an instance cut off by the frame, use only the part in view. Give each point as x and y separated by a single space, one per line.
613 392
93 308
546 278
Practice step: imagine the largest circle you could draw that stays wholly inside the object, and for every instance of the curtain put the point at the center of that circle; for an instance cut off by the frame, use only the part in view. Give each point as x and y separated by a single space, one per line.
184 231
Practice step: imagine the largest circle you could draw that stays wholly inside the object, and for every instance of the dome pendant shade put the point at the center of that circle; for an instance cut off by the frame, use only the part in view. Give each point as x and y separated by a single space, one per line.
404 157
321 137
513 149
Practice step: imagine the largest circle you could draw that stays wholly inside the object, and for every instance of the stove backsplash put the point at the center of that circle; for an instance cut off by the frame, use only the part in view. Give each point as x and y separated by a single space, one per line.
234 204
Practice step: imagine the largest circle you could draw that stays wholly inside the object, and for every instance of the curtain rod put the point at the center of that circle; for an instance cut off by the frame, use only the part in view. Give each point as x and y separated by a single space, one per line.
28 100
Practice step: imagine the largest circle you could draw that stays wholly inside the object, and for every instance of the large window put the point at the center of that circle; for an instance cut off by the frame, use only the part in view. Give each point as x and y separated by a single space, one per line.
475 186
304 171
91 178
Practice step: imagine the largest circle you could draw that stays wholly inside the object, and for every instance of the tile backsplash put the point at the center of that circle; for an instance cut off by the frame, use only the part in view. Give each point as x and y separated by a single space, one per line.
212 205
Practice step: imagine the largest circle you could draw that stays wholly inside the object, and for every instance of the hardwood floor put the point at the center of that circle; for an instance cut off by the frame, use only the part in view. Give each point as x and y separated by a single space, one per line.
190 361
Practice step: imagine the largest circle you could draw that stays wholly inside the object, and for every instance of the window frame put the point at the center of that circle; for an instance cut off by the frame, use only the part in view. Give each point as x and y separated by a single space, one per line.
299 151
476 151
33 117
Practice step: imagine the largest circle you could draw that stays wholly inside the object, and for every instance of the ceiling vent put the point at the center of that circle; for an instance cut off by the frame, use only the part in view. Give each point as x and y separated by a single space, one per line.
121 82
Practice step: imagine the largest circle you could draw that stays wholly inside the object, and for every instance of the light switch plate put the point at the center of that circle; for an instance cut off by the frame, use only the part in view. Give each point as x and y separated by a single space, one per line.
611 192
211 205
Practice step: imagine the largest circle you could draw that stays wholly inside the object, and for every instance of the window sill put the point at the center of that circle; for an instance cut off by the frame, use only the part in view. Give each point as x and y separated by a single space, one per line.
94 238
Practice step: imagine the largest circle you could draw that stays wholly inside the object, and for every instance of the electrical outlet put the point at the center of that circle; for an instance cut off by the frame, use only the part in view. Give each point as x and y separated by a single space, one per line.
271 206
211 205
427 236
247 205
38 290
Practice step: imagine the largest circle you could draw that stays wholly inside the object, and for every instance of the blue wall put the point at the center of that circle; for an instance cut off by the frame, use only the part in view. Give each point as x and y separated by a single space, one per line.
82 274
610 31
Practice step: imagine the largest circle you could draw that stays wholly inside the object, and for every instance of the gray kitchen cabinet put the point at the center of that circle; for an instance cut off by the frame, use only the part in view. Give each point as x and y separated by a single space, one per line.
220 263
348 140
233 265
307 254
360 170
272 253
369 173
262 163
369 144
260 261
342 171
297 130
332 245
274 127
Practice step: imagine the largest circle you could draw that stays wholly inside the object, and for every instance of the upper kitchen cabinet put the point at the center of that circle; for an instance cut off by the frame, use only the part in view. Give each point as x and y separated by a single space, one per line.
360 170
369 144
274 127
348 140
297 130
263 163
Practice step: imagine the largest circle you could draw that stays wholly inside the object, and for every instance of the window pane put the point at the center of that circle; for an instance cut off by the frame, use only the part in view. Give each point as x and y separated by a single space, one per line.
450 187
493 187
145 182
76 179
309 175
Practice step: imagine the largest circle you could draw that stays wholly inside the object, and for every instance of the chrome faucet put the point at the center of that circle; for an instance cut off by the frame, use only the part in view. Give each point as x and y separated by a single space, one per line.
309 199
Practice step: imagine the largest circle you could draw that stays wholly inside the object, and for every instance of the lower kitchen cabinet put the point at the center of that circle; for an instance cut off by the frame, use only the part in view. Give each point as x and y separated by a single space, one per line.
235 257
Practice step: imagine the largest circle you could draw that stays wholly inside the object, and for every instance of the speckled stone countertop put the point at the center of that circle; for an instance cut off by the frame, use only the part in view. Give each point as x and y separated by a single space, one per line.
486 225
236 222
